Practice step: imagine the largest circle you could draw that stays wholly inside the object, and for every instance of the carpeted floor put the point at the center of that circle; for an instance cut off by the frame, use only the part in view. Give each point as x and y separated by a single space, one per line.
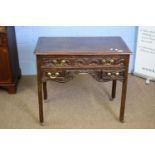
80 103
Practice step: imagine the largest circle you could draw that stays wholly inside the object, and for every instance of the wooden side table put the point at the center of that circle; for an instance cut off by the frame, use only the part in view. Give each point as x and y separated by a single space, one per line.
61 58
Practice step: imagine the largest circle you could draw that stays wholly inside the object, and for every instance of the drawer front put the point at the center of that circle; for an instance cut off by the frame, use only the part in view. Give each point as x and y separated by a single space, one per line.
83 61
56 75
3 40
109 75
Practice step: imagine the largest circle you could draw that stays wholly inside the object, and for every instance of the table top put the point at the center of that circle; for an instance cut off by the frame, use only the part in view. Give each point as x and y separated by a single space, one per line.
81 46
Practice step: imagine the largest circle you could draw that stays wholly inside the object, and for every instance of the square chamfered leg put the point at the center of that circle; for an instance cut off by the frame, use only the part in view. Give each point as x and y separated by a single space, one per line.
45 90
40 100
124 91
113 93
123 98
40 91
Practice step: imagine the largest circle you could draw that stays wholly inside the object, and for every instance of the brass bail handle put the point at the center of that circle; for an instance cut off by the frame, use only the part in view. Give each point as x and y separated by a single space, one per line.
108 62
109 73
61 62
53 75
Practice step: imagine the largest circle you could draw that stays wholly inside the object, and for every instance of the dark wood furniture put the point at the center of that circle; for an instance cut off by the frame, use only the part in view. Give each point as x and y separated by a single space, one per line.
9 64
61 58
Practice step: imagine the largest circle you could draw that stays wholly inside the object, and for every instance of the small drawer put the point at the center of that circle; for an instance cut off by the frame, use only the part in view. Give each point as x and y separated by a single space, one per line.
3 40
109 75
59 76
113 75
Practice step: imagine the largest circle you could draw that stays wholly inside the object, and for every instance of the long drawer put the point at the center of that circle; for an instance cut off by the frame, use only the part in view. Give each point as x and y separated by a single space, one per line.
83 61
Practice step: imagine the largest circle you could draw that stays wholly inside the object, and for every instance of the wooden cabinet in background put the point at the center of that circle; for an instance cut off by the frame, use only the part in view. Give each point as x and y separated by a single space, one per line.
10 71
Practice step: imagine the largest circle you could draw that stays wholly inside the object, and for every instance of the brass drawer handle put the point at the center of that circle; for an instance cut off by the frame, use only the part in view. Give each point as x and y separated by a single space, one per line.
53 75
107 62
57 73
109 74
117 73
63 62
112 61
49 73
103 61
55 61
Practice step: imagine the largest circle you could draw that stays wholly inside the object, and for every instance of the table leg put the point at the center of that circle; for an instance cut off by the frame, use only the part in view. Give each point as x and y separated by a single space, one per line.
40 90
40 100
123 98
113 94
45 90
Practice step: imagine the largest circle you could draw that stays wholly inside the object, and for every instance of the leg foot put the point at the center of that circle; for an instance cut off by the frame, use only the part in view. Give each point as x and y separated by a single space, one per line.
121 120
11 89
42 124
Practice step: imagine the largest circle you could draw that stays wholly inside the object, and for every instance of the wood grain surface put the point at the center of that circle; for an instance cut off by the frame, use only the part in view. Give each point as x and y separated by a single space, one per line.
81 45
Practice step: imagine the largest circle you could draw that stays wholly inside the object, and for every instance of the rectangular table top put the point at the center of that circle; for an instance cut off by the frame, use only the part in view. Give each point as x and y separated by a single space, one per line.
81 46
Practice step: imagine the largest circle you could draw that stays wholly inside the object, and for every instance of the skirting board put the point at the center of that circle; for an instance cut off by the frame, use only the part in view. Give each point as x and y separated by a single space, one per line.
144 76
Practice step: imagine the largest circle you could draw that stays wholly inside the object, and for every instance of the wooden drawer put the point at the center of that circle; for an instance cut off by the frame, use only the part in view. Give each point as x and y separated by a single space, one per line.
2 29
57 75
3 40
82 61
109 75
5 71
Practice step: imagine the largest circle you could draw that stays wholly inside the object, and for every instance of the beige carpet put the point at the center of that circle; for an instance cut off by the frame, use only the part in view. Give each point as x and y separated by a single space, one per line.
80 103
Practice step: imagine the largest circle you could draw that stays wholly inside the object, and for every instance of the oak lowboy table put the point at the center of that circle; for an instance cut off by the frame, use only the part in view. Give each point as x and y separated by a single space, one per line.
61 58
